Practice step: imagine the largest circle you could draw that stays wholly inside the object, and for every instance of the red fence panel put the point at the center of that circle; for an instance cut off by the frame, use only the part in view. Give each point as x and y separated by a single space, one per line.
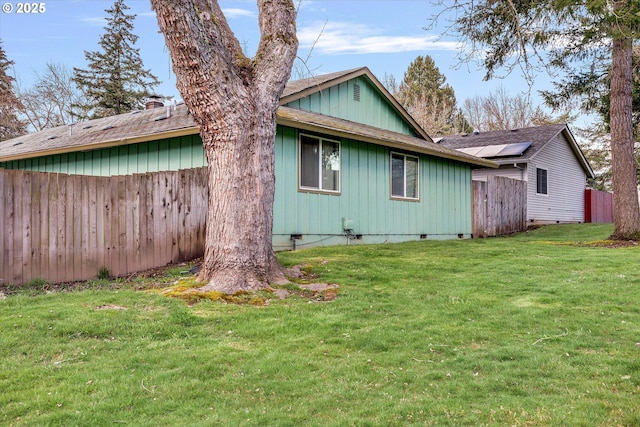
598 206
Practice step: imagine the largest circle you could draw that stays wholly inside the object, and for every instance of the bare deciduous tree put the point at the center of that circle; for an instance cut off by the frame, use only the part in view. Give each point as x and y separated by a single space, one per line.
10 125
501 111
53 100
234 100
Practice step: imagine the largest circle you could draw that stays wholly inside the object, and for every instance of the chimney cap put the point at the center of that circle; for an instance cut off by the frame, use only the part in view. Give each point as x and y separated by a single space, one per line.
154 102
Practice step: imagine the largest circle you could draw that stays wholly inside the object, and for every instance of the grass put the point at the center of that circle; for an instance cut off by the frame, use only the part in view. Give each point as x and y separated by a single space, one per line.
527 330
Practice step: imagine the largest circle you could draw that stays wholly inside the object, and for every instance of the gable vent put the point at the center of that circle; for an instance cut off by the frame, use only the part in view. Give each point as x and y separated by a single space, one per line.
356 92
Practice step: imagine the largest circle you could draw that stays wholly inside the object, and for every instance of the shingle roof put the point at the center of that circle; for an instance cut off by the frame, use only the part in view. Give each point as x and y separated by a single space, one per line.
160 123
539 136
138 126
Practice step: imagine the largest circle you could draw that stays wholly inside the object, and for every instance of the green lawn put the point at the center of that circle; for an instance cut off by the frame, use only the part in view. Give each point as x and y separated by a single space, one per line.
529 330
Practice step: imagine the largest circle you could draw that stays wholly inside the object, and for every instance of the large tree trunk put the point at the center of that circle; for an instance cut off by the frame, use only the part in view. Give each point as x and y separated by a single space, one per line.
625 192
234 100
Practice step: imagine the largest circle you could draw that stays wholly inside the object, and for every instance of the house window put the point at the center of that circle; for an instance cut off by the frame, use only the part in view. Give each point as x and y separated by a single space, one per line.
404 176
541 181
319 164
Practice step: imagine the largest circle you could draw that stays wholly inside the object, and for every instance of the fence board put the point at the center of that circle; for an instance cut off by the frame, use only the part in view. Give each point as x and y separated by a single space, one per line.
42 241
3 262
52 213
19 219
9 226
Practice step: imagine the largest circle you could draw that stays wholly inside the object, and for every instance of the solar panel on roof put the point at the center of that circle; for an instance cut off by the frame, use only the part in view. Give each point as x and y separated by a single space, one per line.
500 150
490 150
514 149
471 150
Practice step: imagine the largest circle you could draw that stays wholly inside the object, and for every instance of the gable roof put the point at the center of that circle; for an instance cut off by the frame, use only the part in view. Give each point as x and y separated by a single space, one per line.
538 137
304 87
175 121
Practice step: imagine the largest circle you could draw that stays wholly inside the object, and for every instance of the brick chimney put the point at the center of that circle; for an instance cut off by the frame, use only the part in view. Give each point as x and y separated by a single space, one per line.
154 102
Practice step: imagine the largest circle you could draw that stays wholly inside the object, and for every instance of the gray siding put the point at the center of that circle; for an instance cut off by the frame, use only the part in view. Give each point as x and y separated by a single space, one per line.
565 185
507 171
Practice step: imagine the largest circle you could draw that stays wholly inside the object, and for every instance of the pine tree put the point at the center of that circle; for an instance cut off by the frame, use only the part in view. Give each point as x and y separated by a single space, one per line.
115 81
425 94
10 125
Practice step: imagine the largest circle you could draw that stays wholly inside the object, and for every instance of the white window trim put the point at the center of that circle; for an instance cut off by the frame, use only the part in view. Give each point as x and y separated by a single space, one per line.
394 197
314 189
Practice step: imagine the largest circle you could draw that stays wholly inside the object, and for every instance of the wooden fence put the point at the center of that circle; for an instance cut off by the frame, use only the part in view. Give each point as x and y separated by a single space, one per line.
499 206
598 206
68 227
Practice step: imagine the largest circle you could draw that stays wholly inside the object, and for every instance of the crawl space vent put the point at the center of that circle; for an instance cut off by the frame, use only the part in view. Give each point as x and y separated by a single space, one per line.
356 92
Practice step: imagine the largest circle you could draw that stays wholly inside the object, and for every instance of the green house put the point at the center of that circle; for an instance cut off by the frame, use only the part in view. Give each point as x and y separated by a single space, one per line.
352 166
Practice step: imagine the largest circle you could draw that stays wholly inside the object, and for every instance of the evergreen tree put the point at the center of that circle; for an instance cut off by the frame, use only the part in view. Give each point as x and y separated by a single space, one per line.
115 81
425 94
10 125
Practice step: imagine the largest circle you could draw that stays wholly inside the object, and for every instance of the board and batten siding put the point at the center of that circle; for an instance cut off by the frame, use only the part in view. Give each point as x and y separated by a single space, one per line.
171 154
442 212
340 101
564 201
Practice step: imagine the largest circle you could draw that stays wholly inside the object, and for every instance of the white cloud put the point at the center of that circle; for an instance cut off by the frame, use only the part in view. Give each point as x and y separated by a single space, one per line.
97 21
336 38
232 13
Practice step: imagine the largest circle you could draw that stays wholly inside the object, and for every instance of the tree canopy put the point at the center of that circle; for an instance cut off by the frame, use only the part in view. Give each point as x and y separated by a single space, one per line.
115 81
10 106
425 94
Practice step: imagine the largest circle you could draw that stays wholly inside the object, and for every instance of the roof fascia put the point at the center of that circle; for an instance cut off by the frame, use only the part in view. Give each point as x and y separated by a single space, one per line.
105 144
575 148
283 120
578 152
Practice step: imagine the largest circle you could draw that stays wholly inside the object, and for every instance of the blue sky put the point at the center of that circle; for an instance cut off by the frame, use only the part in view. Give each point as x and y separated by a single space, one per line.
384 35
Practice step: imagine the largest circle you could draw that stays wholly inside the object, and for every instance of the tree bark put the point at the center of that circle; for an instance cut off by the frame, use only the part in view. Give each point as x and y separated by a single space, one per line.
625 192
234 100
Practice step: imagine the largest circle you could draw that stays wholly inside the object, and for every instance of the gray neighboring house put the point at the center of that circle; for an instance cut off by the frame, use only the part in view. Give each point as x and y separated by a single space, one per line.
547 157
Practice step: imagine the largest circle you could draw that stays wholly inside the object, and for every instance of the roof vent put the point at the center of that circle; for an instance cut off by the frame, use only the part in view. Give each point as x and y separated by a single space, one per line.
108 127
159 118
87 127
17 143
514 130
356 92
52 137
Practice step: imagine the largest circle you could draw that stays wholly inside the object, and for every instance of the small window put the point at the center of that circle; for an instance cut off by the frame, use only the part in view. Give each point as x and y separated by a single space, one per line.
541 181
319 164
404 176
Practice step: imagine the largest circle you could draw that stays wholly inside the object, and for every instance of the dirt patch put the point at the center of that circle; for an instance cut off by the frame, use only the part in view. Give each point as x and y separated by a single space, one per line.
608 244
303 285
111 307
